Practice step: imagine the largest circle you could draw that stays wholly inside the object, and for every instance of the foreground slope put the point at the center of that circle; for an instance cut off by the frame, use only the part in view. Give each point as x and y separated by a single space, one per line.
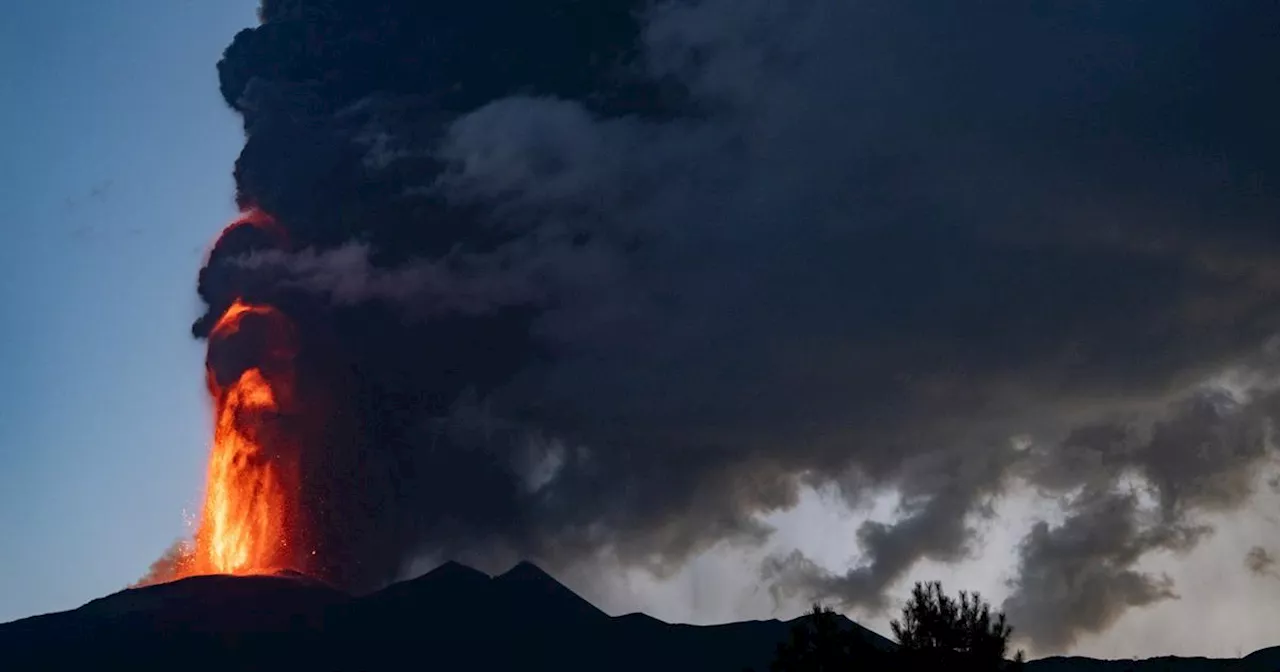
453 618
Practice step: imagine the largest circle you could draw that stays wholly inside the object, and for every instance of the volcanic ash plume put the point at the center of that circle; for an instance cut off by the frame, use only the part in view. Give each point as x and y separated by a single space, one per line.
570 280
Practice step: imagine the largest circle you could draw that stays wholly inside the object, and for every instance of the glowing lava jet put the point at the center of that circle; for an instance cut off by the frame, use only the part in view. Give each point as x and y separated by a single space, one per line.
250 522
252 482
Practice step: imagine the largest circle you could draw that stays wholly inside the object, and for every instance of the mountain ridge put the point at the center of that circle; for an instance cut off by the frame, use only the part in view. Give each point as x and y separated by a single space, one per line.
453 617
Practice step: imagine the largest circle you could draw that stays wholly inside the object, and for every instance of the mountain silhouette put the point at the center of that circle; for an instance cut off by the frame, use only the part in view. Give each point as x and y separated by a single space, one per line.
452 618
526 583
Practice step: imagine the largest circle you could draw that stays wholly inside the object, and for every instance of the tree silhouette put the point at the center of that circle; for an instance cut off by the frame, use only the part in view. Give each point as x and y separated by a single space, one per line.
937 630
822 642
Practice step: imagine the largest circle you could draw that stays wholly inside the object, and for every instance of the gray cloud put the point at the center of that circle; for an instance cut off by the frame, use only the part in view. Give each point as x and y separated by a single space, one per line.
933 524
460 284
1197 454
835 274
1080 577
1261 561
868 245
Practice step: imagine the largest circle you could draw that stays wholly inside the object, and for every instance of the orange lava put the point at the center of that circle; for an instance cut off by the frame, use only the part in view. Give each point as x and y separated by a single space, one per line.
255 219
248 524
244 527
260 220
229 323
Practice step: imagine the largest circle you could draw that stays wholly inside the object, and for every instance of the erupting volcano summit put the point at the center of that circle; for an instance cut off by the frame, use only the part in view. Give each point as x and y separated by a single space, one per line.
349 309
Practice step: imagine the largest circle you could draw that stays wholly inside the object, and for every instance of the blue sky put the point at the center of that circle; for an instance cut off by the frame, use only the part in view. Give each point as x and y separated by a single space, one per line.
116 176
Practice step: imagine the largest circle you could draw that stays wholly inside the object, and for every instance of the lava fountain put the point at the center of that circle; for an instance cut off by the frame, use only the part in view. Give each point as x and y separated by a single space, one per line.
250 522
252 481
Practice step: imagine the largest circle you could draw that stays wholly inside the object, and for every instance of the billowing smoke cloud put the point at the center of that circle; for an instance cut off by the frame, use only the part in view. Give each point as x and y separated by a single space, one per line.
455 285
1261 561
1080 577
1199 454
616 278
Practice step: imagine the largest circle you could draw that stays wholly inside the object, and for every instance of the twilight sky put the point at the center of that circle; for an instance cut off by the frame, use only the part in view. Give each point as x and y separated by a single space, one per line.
116 179
981 296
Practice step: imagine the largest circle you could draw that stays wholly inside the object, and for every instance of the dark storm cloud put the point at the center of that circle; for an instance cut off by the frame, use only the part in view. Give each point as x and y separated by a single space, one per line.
771 245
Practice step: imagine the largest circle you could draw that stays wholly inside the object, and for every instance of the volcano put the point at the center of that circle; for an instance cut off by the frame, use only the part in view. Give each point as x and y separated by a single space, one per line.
452 618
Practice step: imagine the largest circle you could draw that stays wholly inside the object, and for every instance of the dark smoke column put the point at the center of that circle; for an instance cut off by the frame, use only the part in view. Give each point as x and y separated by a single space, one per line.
379 481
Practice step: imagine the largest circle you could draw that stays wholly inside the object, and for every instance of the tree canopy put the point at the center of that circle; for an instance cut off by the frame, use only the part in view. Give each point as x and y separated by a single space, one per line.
940 630
935 631
823 641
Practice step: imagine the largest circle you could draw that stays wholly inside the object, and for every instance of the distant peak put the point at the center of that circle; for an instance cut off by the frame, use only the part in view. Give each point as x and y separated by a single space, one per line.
526 571
453 569
531 581
454 565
